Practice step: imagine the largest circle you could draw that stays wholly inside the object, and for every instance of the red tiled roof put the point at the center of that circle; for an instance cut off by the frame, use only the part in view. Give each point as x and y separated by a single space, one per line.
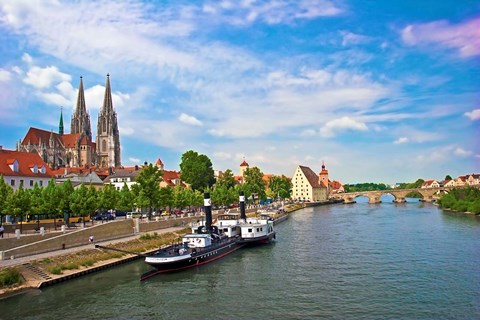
35 136
159 162
26 161
244 164
335 184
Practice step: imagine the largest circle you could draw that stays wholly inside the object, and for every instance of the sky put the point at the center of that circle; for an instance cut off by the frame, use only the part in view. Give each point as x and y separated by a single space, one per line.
379 91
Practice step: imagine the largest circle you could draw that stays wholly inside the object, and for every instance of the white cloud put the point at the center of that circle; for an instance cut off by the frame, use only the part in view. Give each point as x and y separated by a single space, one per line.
401 140
270 11
333 127
134 160
464 37
350 38
220 155
191 120
5 75
27 58
473 115
42 78
462 152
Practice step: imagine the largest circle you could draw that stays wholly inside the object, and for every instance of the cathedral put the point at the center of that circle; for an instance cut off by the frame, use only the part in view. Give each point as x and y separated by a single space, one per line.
78 149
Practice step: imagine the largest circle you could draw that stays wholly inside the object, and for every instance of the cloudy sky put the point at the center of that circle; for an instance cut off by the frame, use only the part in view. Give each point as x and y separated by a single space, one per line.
382 91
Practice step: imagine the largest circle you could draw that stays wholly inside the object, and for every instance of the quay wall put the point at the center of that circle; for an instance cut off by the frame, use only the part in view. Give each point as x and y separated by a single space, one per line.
101 232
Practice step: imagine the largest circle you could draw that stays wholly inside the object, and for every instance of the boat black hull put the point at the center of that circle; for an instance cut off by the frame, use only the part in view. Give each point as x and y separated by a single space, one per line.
194 259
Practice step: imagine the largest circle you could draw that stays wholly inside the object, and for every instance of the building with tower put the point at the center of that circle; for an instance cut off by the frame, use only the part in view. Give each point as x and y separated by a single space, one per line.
307 186
77 149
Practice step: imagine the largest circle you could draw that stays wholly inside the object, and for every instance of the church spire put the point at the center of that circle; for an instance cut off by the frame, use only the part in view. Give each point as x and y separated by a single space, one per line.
107 100
60 125
81 119
108 136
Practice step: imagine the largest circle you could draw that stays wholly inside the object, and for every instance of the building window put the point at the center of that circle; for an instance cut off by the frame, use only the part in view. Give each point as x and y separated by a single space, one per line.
41 183
31 183
104 145
12 183
21 182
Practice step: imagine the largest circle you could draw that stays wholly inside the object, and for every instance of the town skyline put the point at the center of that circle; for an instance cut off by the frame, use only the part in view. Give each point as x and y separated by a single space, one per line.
380 92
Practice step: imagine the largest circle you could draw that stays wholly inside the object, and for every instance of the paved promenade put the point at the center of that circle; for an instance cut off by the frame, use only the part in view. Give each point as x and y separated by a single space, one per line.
22 260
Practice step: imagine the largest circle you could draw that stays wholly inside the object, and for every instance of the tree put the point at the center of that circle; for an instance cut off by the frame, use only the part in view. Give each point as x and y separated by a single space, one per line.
165 197
196 170
281 187
254 183
180 197
125 199
147 188
227 180
65 192
50 196
78 202
108 197
18 203
5 190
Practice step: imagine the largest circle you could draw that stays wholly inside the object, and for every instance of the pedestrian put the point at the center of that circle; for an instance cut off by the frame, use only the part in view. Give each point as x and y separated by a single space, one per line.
2 229
91 239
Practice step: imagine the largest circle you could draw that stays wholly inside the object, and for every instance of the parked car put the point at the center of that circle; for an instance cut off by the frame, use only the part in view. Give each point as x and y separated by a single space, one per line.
104 216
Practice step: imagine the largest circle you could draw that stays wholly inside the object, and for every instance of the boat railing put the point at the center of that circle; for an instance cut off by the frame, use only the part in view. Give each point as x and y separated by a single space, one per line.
176 249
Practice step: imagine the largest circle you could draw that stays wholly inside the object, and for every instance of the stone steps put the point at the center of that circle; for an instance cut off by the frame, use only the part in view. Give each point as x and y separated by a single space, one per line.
36 271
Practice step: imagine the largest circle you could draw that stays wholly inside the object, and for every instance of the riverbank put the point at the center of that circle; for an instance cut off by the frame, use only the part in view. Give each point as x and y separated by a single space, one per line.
49 268
46 269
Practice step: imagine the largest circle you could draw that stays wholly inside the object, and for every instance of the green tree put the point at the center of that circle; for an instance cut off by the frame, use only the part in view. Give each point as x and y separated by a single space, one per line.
51 205
108 197
165 198
65 191
180 197
448 177
147 188
79 203
36 202
125 199
227 180
5 190
18 203
281 187
254 183
196 170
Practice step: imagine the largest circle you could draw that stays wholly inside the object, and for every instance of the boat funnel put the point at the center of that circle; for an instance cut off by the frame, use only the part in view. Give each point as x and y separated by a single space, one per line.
208 211
242 206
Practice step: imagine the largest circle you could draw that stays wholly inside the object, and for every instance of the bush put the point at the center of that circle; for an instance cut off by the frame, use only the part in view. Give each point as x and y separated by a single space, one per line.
9 277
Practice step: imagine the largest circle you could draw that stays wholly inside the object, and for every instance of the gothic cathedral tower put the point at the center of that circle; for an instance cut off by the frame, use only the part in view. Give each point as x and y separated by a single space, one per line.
108 137
81 119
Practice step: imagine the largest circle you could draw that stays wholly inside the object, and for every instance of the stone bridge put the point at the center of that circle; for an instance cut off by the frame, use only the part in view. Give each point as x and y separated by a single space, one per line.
398 194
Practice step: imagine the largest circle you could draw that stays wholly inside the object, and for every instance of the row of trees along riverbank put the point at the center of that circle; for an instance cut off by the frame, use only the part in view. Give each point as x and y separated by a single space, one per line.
196 170
462 200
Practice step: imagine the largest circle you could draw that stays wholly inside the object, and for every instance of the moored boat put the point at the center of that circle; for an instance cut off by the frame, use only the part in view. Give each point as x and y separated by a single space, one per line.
258 230
204 245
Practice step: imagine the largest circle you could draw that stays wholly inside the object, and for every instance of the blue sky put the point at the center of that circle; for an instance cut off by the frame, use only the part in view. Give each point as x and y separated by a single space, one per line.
382 91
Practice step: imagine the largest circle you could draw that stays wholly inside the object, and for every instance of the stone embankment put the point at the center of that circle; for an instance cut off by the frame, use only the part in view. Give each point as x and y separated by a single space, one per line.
25 256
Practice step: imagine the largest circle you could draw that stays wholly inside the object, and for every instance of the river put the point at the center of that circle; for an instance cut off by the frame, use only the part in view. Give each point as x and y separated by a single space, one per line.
359 261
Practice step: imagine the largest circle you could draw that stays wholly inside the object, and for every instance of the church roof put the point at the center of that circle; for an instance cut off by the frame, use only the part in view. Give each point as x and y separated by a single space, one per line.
244 164
36 136
159 162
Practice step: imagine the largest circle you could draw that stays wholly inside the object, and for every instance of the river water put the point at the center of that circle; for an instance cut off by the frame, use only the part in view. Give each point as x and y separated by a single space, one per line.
359 261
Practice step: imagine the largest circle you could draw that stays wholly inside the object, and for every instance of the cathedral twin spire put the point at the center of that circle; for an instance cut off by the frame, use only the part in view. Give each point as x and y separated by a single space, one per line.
108 138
